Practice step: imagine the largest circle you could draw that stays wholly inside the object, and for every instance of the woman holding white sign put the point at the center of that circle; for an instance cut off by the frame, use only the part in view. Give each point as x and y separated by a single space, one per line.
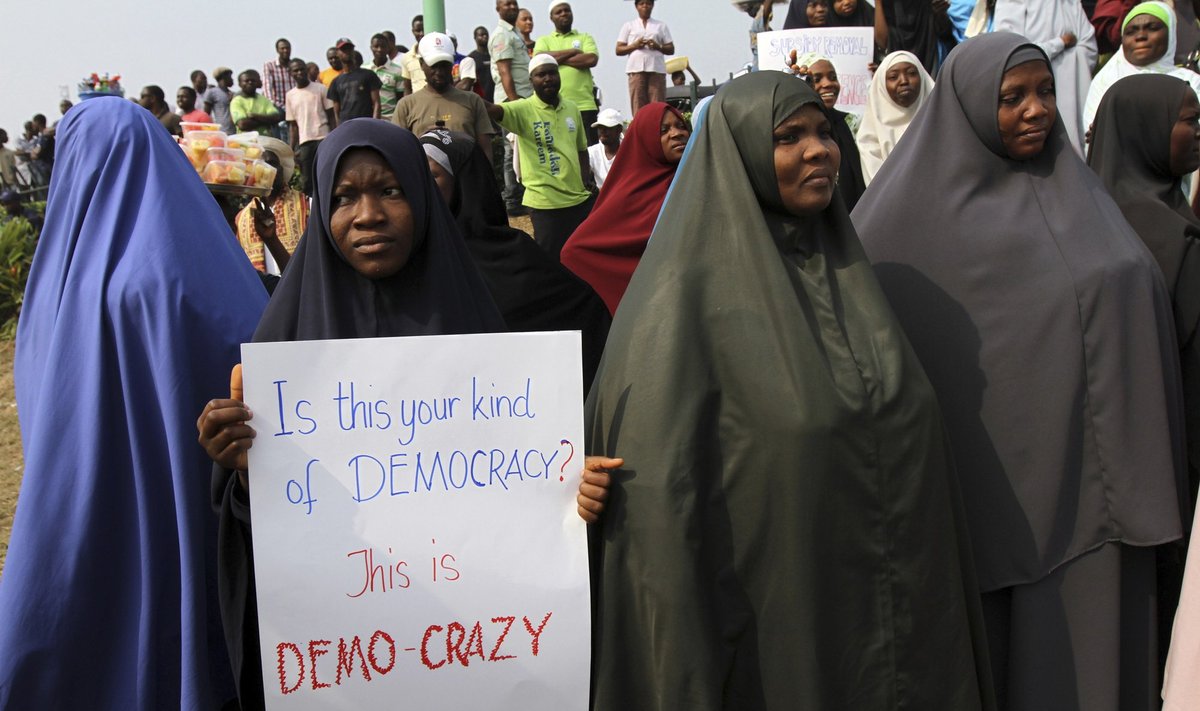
787 533
381 257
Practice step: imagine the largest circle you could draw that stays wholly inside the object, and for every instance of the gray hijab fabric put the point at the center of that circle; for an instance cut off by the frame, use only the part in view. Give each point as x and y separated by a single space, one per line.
1043 323
786 532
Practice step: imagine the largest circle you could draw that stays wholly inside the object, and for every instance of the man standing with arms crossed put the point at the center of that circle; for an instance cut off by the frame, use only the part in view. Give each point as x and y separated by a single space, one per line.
510 72
576 54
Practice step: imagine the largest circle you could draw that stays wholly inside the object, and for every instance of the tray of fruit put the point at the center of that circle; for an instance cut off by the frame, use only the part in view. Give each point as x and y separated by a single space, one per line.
240 190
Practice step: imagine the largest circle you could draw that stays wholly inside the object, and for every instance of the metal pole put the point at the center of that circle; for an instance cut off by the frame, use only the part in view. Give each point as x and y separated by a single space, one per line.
435 15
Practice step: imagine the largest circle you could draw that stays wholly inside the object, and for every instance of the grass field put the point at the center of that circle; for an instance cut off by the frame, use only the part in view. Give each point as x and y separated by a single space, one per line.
11 461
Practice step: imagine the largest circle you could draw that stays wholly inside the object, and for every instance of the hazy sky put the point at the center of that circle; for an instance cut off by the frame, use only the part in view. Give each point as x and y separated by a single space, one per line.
49 46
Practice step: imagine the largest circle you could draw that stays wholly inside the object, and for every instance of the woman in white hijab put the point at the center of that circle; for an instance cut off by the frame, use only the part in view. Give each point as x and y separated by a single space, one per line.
897 90
1147 45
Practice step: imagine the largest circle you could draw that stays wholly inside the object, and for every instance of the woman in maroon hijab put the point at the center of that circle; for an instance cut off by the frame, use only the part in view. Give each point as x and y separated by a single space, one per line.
606 248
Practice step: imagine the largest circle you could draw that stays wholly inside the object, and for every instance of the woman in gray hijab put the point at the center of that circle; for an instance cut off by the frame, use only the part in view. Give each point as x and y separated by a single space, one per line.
1046 330
786 532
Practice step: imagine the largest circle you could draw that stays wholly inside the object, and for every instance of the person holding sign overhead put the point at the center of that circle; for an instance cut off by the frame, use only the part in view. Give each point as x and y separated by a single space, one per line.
381 257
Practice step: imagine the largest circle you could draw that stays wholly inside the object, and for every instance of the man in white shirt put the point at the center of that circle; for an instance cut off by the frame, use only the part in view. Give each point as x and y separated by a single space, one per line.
611 128
309 114
646 42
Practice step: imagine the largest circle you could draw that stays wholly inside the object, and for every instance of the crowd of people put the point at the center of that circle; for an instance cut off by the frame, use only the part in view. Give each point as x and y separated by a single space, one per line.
899 411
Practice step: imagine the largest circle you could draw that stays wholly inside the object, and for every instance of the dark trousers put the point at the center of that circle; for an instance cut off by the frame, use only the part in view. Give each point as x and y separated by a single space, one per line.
589 118
306 156
552 228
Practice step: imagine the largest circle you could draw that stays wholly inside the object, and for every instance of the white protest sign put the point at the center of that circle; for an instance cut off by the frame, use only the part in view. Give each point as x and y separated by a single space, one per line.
416 543
850 49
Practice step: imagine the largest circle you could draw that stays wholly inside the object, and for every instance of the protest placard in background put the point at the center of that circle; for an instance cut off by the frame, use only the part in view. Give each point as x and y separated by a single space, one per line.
850 49
416 543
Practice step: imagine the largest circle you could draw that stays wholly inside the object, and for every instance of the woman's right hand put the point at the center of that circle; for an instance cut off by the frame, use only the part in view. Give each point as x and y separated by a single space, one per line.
224 433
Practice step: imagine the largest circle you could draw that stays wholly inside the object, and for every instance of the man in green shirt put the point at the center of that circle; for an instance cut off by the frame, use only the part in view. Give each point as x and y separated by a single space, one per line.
576 54
553 155
250 110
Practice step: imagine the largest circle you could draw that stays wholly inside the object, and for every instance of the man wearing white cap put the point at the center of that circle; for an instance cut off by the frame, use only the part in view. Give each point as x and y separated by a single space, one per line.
553 150
576 54
439 102
610 126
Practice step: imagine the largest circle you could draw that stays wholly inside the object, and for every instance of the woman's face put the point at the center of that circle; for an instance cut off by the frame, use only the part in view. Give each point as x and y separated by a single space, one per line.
824 80
817 12
903 83
644 8
845 8
371 222
806 161
525 21
1027 109
1185 137
673 133
445 181
1144 40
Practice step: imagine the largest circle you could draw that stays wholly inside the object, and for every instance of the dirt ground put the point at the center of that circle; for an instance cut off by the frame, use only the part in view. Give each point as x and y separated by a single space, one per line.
12 461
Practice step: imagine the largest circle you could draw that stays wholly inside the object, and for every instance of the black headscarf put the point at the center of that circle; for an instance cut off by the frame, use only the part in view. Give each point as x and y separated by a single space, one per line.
533 291
439 291
785 533
1042 322
321 296
914 27
1130 152
851 183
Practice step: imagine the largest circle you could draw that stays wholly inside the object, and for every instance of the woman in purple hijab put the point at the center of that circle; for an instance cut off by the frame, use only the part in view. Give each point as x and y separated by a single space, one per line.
136 303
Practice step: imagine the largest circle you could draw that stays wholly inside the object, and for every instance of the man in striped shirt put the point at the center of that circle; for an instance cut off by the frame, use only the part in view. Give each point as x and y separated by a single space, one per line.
277 82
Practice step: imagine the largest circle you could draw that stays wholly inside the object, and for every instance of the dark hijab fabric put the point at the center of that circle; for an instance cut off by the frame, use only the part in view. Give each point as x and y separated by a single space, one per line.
1043 324
797 17
786 532
604 251
533 291
1131 153
914 27
137 301
851 183
439 291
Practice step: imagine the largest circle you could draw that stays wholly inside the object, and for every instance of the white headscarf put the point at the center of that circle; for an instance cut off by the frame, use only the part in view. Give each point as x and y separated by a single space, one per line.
885 121
1119 67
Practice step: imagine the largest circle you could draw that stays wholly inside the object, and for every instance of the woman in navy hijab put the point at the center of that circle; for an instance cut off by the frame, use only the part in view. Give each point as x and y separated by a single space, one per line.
136 303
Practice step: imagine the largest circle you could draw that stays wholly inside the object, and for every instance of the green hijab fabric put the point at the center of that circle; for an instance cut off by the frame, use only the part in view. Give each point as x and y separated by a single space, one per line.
786 532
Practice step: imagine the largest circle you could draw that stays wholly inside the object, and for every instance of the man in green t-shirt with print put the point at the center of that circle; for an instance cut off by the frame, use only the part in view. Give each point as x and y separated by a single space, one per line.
553 155
576 54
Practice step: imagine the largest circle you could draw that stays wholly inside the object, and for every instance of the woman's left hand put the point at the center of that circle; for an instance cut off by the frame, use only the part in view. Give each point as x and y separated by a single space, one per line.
593 487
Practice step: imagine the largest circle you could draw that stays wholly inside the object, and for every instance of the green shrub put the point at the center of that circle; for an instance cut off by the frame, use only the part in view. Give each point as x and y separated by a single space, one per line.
18 238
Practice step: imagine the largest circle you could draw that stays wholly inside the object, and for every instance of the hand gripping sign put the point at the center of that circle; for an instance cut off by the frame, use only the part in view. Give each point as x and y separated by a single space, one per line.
415 536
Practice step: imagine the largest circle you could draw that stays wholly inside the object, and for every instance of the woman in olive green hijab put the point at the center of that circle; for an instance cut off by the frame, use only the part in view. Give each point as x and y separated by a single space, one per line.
785 532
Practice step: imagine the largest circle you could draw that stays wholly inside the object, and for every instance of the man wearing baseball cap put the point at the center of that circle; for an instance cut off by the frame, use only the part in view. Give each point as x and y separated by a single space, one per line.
576 54
439 102
553 155
610 125
354 94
